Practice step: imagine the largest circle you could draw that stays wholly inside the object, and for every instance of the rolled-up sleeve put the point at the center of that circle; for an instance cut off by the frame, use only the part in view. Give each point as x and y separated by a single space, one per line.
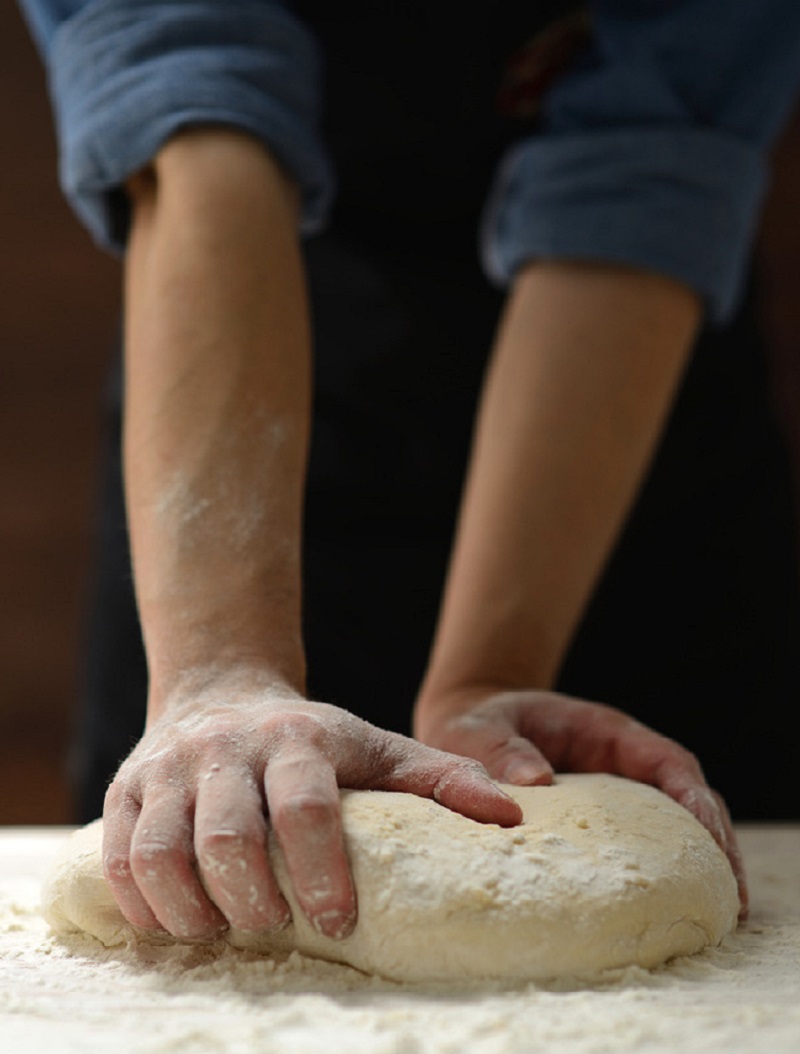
124 77
652 148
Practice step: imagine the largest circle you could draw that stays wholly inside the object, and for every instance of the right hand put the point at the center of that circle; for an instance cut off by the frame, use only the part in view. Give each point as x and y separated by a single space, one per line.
525 737
186 817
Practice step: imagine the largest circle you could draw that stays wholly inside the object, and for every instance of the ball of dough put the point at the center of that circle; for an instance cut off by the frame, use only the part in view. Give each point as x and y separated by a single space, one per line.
602 873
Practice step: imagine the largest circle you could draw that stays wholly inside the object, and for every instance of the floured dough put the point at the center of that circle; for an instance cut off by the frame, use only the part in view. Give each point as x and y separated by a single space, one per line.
602 873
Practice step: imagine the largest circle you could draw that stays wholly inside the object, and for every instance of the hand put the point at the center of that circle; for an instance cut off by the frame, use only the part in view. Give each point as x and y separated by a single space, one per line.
523 737
186 817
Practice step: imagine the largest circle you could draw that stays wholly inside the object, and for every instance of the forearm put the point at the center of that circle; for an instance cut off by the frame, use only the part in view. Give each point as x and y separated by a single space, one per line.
585 366
216 436
216 412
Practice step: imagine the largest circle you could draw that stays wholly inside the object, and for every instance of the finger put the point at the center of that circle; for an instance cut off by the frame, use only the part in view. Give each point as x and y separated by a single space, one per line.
304 810
456 782
649 757
643 754
734 854
121 812
162 862
710 809
230 838
737 863
494 741
589 737
577 736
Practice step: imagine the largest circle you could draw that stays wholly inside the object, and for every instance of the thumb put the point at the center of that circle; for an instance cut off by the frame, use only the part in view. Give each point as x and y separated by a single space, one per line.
459 784
494 740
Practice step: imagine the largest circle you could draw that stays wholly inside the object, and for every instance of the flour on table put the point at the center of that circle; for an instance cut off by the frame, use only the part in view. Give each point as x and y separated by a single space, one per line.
603 873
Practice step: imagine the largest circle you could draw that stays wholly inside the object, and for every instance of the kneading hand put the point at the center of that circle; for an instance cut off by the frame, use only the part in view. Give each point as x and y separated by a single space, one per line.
186 817
523 737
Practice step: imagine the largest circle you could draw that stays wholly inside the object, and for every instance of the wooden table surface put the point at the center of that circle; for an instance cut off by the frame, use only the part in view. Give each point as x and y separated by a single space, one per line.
60 996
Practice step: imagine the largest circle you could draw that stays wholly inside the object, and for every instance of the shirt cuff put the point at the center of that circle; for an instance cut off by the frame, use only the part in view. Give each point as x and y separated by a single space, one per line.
683 202
126 77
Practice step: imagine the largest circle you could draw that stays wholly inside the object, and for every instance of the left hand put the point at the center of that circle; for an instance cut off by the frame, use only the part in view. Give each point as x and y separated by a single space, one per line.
523 737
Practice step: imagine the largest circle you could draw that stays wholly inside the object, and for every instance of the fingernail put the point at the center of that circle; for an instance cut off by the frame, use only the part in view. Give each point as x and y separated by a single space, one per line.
203 935
522 770
333 924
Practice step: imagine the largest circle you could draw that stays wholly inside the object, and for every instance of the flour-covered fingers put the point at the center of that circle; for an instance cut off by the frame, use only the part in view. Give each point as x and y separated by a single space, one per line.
122 812
734 854
491 738
230 838
641 753
710 809
163 865
574 735
459 783
305 814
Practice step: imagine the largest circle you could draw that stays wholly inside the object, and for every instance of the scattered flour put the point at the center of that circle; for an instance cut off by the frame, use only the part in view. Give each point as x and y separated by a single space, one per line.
71 994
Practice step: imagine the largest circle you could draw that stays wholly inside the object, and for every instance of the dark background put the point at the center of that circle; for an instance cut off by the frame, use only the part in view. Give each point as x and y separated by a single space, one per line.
57 319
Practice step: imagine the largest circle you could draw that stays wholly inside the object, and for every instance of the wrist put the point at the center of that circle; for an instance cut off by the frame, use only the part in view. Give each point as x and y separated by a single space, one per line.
478 659
224 683
216 627
437 705
585 365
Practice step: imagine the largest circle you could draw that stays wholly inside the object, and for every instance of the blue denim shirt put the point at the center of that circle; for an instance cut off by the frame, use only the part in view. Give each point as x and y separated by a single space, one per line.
652 148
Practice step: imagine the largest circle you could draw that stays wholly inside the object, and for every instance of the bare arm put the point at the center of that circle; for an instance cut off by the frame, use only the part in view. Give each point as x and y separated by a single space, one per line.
584 370
585 367
217 412
216 434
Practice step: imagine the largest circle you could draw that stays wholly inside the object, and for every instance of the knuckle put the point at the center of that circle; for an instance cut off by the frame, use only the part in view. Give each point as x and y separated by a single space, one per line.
297 727
678 754
117 868
115 794
152 859
119 795
225 736
219 846
499 746
305 809
471 767
463 770
215 742
692 761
